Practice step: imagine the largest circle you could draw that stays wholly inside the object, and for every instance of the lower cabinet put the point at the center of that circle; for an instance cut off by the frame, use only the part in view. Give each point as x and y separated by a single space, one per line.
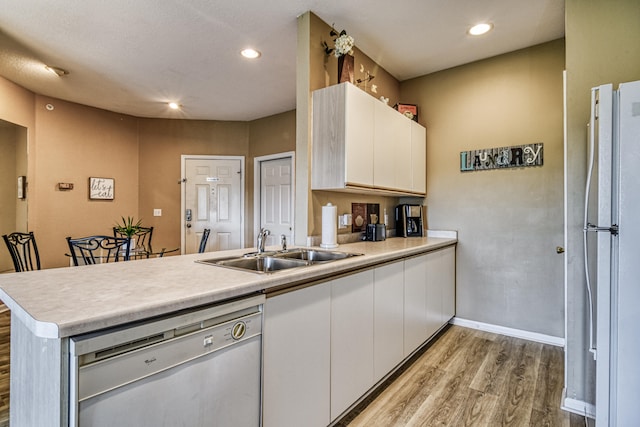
388 300
441 277
429 303
296 357
351 339
415 303
326 345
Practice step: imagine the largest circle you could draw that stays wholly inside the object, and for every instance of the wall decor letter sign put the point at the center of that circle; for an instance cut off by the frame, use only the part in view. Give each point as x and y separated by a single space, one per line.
101 188
517 156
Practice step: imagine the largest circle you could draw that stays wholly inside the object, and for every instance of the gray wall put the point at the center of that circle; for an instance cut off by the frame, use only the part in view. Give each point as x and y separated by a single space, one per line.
603 46
511 220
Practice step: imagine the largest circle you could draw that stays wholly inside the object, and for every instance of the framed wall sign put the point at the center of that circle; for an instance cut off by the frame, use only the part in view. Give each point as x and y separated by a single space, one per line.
409 110
101 188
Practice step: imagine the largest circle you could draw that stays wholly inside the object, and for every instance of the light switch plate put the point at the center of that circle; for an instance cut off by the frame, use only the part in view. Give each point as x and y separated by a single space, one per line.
157 212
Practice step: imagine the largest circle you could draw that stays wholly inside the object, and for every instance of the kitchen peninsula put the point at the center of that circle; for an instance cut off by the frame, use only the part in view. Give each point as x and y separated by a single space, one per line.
50 307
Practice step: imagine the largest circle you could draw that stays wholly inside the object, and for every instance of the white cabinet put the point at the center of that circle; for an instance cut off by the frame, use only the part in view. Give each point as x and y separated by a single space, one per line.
415 303
351 339
296 358
429 286
326 345
442 281
418 158
391 149
388 318
361 144
342 138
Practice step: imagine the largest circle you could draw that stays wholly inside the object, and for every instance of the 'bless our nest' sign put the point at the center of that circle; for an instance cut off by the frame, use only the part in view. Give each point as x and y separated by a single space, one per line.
503 157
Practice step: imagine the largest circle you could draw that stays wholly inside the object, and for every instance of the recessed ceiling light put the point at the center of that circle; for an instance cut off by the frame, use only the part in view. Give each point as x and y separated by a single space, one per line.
56 70
174 105
478 30
250 53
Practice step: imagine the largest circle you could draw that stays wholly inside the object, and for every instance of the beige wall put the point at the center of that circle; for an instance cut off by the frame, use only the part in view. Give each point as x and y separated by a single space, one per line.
269 135
162 142
8 176
76 142
17 107
142 155
602 47
321 71
510 220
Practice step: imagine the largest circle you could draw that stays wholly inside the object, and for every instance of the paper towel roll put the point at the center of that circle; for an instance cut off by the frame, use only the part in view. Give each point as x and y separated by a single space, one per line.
329 227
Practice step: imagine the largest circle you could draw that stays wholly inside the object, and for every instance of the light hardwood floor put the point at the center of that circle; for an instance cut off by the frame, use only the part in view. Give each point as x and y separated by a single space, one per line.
472 378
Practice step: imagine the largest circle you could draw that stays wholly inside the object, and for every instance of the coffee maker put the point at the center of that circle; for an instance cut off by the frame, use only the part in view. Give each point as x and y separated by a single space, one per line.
409 221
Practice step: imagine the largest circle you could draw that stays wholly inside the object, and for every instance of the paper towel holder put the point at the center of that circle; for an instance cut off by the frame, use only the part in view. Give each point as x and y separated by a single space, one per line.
329 227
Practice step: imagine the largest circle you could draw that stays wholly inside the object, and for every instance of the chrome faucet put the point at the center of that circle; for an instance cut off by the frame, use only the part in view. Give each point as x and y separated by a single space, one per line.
283 242
262 238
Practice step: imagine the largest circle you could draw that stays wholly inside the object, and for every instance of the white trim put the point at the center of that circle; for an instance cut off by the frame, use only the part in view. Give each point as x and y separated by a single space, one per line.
183 159
576 406
565 228
511 332
256 189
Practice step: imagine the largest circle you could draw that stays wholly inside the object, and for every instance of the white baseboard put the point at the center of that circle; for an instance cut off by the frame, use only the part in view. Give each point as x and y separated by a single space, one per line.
576 406
517 333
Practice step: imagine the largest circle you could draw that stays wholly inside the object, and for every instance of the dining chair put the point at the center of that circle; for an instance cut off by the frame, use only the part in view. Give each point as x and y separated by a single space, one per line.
98 249
203 240
142 242
23 250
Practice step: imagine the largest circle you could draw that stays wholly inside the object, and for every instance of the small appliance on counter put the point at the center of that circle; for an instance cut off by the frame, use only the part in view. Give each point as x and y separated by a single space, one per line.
375 232
409 221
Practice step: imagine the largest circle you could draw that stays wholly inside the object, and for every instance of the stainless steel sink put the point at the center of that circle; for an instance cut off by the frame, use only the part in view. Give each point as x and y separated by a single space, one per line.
269 262
314 256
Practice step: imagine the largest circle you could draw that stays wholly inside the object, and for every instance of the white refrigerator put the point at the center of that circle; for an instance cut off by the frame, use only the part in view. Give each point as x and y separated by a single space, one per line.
612 250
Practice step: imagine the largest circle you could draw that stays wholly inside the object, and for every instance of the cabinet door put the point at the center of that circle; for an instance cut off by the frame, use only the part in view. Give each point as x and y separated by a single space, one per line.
449 284
415 303
296 358
441 286
434 292
445 273
418 158
392 149
358 139
351 339
388 318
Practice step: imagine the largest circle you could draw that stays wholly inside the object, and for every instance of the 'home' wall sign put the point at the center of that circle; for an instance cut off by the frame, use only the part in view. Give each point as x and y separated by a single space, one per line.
503 157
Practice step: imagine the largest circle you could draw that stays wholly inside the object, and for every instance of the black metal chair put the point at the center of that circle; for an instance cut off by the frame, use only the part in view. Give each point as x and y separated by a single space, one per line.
203 240
142 239
23 250
98 249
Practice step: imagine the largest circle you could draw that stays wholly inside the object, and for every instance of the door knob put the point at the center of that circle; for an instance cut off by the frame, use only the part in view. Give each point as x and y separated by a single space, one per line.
559 249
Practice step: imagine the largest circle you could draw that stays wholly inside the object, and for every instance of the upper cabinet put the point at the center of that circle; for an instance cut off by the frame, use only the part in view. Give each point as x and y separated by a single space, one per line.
361 144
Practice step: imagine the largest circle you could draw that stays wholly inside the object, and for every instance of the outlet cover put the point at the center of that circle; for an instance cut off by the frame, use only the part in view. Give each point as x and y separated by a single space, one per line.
157 212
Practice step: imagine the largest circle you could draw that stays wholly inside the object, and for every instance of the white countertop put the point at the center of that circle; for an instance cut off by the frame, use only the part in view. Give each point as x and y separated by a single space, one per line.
62 302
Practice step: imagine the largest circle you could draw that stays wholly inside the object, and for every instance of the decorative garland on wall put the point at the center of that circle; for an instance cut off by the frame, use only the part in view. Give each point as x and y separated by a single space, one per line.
516 156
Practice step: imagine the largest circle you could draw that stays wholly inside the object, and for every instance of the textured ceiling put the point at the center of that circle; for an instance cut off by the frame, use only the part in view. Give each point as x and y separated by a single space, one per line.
134 56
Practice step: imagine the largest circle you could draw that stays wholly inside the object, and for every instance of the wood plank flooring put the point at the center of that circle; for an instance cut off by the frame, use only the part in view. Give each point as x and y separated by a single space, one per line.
472 378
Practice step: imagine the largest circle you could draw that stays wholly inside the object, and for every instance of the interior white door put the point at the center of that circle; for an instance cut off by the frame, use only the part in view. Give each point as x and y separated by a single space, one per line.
213 199
276 199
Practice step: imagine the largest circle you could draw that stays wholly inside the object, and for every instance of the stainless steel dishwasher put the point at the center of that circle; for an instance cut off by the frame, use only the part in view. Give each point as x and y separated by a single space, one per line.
196 368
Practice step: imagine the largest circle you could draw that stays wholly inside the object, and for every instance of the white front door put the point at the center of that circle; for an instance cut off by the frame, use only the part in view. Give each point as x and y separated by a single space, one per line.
213 194
275 202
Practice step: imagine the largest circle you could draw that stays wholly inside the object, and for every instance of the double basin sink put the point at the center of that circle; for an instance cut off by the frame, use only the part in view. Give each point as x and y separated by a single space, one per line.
269 262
